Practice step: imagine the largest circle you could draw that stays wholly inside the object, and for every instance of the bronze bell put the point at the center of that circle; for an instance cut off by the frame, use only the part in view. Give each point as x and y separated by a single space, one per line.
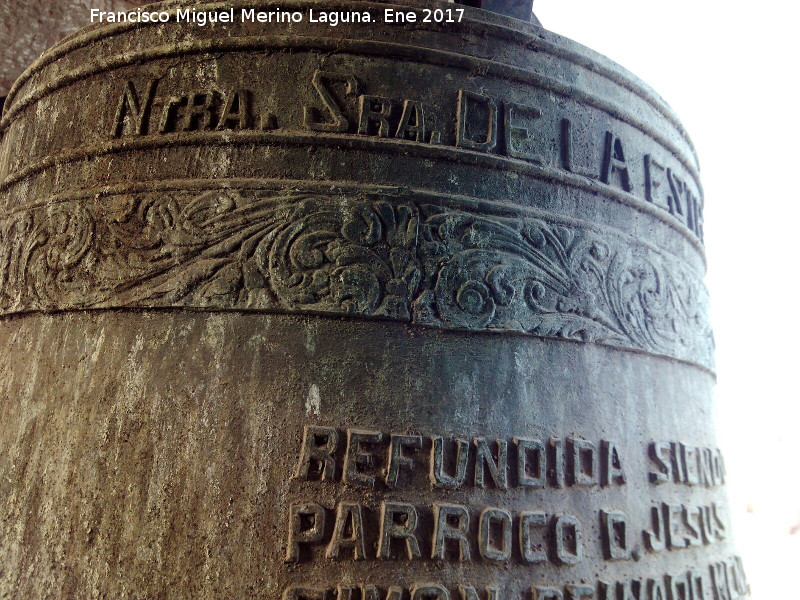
406 310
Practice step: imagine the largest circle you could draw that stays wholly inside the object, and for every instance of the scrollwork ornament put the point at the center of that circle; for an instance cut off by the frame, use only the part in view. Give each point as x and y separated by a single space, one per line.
368 255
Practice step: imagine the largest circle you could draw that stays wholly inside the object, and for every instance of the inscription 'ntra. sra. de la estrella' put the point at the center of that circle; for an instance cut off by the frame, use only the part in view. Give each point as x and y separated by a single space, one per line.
470 121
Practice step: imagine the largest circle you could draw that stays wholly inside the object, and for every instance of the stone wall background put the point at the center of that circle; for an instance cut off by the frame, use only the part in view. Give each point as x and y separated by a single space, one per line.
29 27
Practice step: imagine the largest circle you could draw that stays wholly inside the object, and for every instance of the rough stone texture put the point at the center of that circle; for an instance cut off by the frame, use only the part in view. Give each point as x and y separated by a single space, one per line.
236 259
28 28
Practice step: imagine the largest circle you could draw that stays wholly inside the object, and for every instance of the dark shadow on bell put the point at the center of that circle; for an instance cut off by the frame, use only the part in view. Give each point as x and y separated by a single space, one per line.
519 9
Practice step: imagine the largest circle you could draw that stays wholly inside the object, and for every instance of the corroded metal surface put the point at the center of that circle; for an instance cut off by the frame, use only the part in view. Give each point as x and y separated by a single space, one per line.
380 310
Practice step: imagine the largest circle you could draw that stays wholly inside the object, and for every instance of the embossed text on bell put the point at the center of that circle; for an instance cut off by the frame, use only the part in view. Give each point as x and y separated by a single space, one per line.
409 310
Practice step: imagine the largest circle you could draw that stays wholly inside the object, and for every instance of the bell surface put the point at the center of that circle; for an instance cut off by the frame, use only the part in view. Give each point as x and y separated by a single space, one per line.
409 307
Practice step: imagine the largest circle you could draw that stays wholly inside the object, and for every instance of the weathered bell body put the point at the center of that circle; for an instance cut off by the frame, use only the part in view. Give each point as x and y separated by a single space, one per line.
380 310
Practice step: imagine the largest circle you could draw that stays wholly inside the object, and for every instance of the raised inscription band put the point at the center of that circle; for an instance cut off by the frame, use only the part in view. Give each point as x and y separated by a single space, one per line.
569 117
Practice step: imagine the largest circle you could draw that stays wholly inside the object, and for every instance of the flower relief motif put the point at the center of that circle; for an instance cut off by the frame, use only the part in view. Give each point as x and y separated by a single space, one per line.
357 258
510 274
264 251
42 258
559 281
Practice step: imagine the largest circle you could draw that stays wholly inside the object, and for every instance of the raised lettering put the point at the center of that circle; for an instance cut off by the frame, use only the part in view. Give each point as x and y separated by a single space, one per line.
131 107
398 522
317 455
467 127
306 526
451 522
348 532
340 123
